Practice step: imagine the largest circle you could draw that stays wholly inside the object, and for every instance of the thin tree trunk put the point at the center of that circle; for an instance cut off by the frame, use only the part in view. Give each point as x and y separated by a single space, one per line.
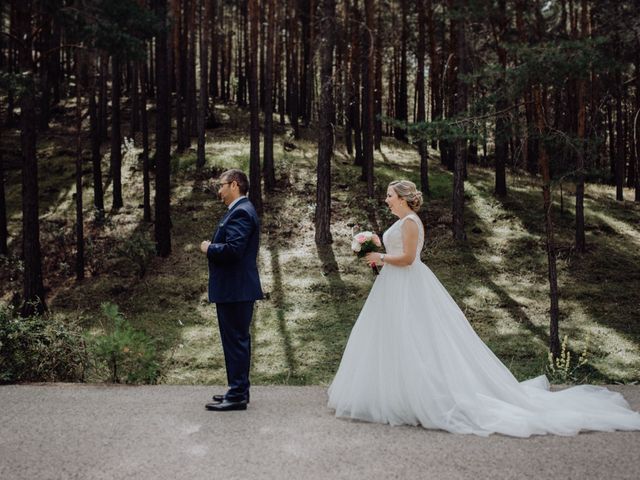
327 120
354 111
255 190
103 117
116 136
203 105
502 133
180 69
33 293
580 236
554 338
620 153
96 157
434 68
79 213
146 202
368 80
377 92
4 232
401 93
459 108
269 172
135 100
636 133
163 132
420 91
192 104
214 41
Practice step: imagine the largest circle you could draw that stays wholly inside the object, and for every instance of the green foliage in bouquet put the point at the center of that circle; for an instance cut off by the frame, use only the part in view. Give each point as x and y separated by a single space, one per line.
129 355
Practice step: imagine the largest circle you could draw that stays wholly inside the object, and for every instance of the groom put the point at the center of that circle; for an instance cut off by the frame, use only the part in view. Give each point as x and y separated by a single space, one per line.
234 285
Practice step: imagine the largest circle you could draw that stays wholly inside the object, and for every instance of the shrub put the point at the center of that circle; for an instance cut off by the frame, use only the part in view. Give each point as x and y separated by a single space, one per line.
40 348
127 354
139 249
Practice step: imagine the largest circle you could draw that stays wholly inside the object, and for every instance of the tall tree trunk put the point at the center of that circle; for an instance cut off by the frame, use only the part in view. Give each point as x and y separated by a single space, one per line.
163 136
434 68
33 293
96 157
214 41
116 135
502 133
255 190
4 233
192 104
79 213
354 110
636 133
420 87
180 67
292 76
280 43
327 121
580 236
401 93
368 79
554 338
135 100
203 105
306 8
620 152
377 91
45 69
269 171
103 117
459 108
146 196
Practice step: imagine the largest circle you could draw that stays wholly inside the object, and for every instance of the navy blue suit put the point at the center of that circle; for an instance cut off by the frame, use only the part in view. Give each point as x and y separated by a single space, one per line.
234 286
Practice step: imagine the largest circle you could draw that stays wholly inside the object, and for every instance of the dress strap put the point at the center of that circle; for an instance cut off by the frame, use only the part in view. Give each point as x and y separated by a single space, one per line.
416 220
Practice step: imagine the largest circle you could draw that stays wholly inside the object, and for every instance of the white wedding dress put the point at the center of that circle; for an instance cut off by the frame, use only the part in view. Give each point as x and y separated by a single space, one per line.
413 358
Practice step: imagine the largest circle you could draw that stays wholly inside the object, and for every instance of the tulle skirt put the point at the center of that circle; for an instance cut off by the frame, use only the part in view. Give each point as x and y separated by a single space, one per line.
413 358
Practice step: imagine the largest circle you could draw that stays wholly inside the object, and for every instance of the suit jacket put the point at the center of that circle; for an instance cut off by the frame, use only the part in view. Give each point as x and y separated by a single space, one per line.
233 272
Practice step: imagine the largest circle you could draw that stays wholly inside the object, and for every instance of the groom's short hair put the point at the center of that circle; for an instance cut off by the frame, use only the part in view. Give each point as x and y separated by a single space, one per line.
238 176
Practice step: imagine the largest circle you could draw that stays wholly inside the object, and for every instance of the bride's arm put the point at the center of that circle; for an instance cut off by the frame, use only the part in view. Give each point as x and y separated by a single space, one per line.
410 232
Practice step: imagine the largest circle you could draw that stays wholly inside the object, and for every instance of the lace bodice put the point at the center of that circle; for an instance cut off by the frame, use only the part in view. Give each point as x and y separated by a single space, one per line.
392 238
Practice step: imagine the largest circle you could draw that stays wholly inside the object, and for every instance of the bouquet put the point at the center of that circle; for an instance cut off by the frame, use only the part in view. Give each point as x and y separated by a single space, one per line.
365 242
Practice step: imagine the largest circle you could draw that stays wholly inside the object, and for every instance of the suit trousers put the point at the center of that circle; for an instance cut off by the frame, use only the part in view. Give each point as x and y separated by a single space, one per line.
234 321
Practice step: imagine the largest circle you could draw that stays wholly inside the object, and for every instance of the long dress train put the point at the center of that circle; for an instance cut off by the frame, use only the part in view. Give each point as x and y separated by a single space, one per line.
413 358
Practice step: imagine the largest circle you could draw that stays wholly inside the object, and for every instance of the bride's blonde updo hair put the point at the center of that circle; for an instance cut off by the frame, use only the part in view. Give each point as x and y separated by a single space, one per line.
409 192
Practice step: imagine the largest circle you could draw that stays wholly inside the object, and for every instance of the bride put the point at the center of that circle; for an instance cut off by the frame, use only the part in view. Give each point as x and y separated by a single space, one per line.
412 357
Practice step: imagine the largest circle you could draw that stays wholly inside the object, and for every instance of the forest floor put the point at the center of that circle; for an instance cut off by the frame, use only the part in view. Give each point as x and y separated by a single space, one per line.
313 295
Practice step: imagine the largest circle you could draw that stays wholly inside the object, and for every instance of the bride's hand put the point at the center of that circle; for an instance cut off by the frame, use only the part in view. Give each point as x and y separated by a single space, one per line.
373 258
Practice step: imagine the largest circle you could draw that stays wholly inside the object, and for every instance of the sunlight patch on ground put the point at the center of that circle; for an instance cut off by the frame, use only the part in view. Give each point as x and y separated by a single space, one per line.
611 352
623 228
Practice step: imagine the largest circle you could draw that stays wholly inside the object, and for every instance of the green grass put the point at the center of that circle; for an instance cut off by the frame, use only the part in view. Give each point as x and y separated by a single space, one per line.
499 277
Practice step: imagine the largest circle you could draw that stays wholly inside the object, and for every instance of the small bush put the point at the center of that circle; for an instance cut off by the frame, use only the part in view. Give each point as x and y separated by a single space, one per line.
40 348
139 249
127 354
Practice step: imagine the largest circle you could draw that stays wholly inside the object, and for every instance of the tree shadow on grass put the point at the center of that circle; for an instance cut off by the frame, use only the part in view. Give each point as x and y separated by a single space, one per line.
277 297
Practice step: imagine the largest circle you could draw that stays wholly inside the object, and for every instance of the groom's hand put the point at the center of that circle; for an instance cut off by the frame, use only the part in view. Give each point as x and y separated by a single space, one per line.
204 246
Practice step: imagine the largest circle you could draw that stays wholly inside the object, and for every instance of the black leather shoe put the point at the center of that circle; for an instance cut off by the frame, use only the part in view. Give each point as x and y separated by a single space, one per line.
226 406
220 398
